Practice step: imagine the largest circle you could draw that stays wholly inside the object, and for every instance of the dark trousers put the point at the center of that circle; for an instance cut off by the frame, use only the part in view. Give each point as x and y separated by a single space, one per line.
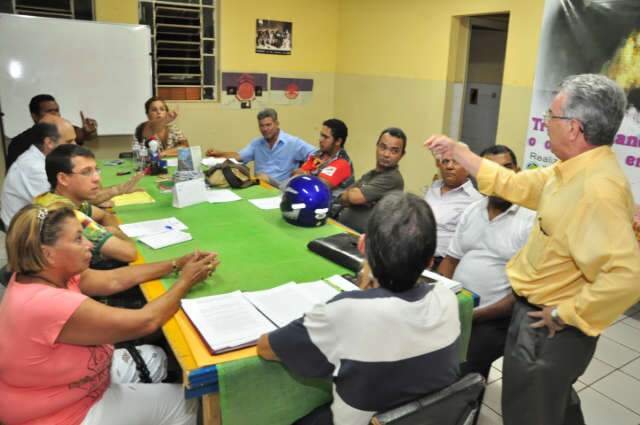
486 345
538 372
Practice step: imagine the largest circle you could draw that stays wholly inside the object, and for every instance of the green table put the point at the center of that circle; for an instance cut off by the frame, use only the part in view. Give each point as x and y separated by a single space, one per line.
258 250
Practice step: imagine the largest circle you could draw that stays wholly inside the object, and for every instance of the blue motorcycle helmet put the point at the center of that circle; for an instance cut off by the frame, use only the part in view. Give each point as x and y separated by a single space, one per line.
306 201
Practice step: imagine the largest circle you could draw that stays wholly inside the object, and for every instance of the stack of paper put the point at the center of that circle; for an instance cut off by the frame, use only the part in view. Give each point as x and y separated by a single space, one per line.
231 321
165 239
152 227
132 198
157 233
221 195
451 284
226 322
342 283
267 203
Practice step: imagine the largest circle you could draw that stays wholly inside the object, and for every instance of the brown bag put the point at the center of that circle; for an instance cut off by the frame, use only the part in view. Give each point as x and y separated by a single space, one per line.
230 174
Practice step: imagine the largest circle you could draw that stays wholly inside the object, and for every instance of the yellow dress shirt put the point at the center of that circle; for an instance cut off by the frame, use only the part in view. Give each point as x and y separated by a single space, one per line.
582 255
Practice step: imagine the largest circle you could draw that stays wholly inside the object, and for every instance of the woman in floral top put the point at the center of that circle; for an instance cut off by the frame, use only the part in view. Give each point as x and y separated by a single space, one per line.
159 126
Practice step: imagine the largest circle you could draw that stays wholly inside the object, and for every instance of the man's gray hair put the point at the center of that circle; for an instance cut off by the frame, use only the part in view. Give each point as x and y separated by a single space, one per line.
598 103
268 113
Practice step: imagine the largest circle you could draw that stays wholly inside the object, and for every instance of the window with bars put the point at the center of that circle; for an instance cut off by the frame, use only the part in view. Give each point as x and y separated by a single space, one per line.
183 38
68 9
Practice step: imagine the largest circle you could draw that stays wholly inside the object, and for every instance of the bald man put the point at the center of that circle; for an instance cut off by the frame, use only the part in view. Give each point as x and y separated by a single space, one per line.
40 106
29 178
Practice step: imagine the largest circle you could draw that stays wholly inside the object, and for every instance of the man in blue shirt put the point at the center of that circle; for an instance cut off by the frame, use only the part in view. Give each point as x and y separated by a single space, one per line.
276 154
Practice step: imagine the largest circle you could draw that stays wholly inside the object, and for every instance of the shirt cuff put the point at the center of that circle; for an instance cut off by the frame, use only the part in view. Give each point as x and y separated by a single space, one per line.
567 313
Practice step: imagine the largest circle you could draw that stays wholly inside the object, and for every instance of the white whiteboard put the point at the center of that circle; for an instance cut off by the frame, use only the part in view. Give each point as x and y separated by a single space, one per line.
103 70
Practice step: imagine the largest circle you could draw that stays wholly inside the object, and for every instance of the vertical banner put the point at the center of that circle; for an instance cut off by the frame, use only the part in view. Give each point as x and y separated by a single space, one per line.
244 90
291 91
589 36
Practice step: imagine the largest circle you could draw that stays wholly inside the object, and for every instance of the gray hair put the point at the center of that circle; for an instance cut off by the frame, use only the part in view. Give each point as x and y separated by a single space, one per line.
598 103
268 113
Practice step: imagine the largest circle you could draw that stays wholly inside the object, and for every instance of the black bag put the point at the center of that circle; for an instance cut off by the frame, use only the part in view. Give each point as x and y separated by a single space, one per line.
342 249
230 174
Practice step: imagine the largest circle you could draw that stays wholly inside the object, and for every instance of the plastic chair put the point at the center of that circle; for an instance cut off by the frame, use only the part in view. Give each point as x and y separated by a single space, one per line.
457 404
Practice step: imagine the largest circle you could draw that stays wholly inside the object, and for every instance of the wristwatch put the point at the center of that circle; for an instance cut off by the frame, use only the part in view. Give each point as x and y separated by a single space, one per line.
555 316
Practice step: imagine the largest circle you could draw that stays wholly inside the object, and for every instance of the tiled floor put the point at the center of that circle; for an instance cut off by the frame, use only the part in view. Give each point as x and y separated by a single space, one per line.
609 390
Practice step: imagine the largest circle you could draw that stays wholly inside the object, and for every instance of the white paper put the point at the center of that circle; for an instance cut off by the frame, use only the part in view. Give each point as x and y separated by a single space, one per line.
451 284
281 304
319 291
226 321
221 195
152 227
172 162
267 203
165 239
189 193
211 161
342 283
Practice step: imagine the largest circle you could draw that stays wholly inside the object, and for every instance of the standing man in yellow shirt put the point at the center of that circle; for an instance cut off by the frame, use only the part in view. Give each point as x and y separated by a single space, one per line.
580 268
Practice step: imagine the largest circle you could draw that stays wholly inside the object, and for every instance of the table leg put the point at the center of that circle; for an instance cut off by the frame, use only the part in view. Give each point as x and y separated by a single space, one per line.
211 409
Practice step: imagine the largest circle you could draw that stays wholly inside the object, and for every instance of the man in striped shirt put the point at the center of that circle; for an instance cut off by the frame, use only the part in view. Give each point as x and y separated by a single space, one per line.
388 344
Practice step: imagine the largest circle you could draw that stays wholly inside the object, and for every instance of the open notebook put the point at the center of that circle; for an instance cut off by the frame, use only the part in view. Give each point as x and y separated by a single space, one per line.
237 319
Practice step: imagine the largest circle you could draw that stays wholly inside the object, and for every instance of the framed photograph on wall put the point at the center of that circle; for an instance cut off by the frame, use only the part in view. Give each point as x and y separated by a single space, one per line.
273 37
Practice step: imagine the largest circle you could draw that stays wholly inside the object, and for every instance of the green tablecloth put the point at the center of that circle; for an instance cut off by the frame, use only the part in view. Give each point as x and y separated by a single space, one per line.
258 250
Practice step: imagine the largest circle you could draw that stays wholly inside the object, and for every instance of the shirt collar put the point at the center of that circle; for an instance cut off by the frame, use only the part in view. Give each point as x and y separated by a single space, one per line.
35 149
566 170
466 187
281 137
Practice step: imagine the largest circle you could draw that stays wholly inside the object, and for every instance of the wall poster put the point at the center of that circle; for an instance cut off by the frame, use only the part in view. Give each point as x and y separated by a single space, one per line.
589 36
273 37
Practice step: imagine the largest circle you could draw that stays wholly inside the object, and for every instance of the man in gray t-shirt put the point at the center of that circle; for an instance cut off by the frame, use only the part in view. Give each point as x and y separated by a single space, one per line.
359 199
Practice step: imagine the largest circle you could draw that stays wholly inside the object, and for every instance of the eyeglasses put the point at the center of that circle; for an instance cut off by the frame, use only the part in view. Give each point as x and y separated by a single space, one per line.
548 116
87 172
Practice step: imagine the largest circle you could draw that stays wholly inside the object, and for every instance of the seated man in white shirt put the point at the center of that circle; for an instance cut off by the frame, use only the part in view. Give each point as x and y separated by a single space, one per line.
489 233
28 178
448 197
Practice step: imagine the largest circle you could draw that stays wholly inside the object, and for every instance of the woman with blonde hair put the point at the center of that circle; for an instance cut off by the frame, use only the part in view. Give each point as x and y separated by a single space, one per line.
56 352
159 127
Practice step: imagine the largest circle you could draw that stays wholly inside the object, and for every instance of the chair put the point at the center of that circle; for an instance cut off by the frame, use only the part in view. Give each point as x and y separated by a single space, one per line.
457 404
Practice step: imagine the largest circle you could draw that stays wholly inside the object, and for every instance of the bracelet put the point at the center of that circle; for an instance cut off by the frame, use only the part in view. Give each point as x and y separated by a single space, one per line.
174 267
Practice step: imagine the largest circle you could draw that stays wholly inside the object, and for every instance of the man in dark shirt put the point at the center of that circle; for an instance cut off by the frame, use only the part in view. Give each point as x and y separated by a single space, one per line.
409 345
39 106
359 199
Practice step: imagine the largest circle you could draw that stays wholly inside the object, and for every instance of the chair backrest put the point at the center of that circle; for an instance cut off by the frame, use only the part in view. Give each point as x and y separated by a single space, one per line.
456 404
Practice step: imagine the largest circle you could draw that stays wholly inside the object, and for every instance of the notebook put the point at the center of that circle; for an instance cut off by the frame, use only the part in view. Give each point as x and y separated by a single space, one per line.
236 320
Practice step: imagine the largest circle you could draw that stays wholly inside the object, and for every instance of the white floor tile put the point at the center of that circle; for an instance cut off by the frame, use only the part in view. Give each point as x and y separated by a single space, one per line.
495 374
498 364
493 396
599 410
613 353
578 386
489 417
633 369
597 369
621 388
624 334
633 321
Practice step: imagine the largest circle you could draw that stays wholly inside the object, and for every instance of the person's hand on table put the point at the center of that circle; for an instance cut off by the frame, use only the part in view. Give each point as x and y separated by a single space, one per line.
197 266
130 185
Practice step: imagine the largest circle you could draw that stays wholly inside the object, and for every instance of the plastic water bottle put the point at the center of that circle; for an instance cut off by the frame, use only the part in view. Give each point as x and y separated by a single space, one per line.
135 154
143 157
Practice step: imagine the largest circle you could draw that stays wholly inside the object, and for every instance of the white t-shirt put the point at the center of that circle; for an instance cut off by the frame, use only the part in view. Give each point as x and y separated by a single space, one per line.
26 179
447 209
484 247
